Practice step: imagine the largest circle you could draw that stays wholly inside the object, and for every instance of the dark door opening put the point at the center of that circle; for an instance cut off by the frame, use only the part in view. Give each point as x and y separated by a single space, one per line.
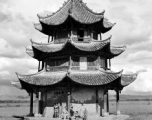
80 35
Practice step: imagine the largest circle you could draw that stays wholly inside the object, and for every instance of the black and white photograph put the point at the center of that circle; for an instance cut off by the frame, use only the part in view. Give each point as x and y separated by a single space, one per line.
75 59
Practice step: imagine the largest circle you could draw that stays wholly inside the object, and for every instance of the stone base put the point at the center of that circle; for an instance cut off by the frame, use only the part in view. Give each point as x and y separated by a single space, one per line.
108 117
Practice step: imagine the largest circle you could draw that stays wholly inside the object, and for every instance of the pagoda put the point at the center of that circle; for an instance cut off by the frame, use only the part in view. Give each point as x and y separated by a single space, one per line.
75 64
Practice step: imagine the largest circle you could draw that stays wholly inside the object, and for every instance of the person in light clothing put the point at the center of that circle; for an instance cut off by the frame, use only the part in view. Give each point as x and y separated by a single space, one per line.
65 114
83 112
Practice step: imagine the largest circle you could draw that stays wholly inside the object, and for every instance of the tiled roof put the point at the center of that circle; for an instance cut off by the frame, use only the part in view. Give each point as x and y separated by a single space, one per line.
43 78
93 77
82 77
94 45
75 9
127 79
115 51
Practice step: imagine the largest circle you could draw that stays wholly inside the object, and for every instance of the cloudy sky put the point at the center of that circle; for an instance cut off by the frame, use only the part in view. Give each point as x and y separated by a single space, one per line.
133 28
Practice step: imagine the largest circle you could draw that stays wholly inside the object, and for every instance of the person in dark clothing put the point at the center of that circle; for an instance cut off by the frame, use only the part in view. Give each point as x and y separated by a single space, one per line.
71 112
56 110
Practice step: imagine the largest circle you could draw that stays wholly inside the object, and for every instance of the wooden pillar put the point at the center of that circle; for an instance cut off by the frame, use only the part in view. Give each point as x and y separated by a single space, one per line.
39 67
31 104
43 65
52 39
39 102
48 38
69 102
109 64
36 108
107 102
105 113
100 37
117 103
97 100
91 34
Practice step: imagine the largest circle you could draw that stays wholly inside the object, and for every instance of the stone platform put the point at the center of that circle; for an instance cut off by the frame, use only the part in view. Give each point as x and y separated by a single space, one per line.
109 117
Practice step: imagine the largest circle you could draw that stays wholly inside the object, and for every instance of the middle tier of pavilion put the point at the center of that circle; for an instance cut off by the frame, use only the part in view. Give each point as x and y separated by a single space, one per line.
71 46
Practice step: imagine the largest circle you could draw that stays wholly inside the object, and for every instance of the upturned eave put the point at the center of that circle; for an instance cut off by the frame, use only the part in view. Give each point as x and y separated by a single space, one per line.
128 79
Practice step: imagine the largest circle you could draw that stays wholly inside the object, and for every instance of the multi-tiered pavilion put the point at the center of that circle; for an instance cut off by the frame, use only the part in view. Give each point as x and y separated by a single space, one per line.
74 66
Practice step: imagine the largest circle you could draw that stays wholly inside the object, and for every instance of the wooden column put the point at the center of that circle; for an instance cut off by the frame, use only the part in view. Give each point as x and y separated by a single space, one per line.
39 67
52 39
97 100
31 104
100 37
91 34
48 39
36 108
69 102
107 102
117 103
39 102
105 113
109 64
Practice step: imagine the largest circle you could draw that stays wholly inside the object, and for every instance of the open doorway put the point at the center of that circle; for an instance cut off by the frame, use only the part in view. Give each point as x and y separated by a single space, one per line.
80 35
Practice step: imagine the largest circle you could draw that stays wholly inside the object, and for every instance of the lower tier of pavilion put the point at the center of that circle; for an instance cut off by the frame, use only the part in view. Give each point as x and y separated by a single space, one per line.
89 78
71 87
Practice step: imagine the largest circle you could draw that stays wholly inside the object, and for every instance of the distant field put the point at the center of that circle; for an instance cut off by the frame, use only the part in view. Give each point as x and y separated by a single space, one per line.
137 110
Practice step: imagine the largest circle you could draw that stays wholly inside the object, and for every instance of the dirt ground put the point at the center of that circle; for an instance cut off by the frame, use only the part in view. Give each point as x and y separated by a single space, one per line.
137 110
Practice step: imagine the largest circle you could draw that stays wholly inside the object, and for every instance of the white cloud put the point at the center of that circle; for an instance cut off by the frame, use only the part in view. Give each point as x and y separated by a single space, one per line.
139 56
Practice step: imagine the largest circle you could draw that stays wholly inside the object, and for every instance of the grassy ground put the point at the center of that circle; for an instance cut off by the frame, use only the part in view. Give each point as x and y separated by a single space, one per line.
137 110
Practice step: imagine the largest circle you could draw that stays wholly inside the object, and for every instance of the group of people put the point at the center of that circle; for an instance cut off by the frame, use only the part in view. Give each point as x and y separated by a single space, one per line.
77 115
80 114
